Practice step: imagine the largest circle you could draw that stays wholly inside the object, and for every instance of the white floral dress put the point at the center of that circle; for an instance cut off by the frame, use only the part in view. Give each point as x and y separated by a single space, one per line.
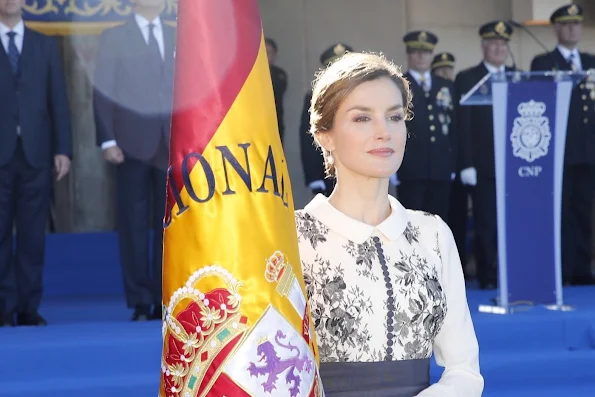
391 294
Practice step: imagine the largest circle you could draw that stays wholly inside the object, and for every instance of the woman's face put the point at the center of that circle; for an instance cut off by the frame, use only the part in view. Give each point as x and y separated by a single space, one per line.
369 133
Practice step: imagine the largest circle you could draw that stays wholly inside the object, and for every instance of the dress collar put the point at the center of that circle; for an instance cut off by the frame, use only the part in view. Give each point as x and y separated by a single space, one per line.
354 230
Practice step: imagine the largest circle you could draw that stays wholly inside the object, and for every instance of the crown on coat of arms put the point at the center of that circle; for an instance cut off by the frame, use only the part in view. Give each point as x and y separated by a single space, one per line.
279 270
573 10
198 326
531 109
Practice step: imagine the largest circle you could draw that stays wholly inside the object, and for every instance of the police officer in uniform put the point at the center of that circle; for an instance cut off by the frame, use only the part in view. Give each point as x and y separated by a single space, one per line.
312 162
579 165
429 163
476 149
443 65
279 79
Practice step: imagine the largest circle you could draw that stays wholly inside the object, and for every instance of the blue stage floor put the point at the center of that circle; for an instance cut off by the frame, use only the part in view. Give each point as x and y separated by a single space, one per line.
92 350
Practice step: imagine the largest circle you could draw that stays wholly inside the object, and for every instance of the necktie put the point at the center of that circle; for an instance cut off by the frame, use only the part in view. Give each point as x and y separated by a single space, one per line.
424 83
13 53
153 46
572 63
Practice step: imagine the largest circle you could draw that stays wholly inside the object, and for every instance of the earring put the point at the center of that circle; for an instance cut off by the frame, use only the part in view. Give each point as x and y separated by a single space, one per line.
330 159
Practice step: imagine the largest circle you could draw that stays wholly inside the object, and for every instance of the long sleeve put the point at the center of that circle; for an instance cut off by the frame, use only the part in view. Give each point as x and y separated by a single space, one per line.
104 90
455 348
58 103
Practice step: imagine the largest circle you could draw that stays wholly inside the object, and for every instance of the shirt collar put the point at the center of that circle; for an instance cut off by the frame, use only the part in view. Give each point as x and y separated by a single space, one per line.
19 29
143 22
358 232
566 52
494 69
417 76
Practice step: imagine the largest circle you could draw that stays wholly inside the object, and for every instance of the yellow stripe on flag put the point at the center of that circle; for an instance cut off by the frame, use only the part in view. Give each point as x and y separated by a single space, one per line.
236 321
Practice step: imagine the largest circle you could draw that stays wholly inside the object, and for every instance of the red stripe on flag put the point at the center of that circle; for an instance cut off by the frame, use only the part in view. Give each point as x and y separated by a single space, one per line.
217 45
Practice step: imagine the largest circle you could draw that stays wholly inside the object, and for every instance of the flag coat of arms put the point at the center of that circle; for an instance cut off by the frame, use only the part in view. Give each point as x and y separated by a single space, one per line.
236 319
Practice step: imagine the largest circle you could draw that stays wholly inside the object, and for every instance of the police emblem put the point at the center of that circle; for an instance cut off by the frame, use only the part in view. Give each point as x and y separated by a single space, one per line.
531 133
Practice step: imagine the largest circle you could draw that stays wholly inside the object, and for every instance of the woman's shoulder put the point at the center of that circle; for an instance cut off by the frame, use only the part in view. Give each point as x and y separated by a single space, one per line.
425 220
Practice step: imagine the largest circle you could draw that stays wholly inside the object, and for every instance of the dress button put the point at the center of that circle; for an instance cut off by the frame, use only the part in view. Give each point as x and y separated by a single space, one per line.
584 97
585 108
432 128
430 107
582 86
431 117
586 120
433 139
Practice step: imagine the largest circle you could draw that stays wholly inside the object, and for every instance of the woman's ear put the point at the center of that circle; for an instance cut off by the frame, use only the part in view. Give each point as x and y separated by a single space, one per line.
325 140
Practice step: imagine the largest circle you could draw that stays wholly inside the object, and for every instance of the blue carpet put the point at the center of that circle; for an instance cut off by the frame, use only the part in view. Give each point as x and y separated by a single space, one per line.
92 350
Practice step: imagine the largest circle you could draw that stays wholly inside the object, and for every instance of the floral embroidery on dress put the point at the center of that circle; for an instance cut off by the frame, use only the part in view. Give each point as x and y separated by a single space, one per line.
365 254
347 286
411 233
425 308
310 228
437 248
337 312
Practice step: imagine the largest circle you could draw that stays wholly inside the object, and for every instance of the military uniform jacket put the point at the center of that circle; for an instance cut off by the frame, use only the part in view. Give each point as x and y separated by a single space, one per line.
475 126
279 80
312 161
580 134
431 145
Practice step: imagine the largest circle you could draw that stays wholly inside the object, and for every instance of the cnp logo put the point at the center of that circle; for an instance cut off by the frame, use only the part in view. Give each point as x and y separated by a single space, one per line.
530 171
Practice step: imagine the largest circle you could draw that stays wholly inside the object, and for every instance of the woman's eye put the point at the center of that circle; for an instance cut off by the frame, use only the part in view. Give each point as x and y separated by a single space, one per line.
396 117
359 119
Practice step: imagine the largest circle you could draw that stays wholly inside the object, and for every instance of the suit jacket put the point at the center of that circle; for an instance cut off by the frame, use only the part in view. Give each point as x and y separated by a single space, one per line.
279 80
580 133
430 153
36 101
132 105
475 126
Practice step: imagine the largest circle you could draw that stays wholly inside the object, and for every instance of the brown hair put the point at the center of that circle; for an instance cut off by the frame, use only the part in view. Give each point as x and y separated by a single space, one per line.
333 84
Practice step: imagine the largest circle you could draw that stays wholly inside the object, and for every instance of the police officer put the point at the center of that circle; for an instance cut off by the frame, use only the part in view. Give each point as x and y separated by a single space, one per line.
476 149
429 162
279 79
443 65
312 163
579 162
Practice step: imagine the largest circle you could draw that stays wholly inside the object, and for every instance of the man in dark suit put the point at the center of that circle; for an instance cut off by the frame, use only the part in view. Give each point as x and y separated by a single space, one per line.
279 80
132 102
429 163
35 136
579 160
476 149
312 162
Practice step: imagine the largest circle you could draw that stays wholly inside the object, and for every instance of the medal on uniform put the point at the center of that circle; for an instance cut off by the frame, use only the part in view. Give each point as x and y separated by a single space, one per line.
445 129
443 98
441 118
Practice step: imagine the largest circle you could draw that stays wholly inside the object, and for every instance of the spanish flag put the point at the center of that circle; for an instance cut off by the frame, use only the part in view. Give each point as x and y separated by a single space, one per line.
236 320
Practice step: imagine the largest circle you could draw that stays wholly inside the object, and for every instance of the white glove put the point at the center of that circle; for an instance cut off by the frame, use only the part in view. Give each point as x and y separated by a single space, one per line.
469 176
394 180
453 176
317 185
